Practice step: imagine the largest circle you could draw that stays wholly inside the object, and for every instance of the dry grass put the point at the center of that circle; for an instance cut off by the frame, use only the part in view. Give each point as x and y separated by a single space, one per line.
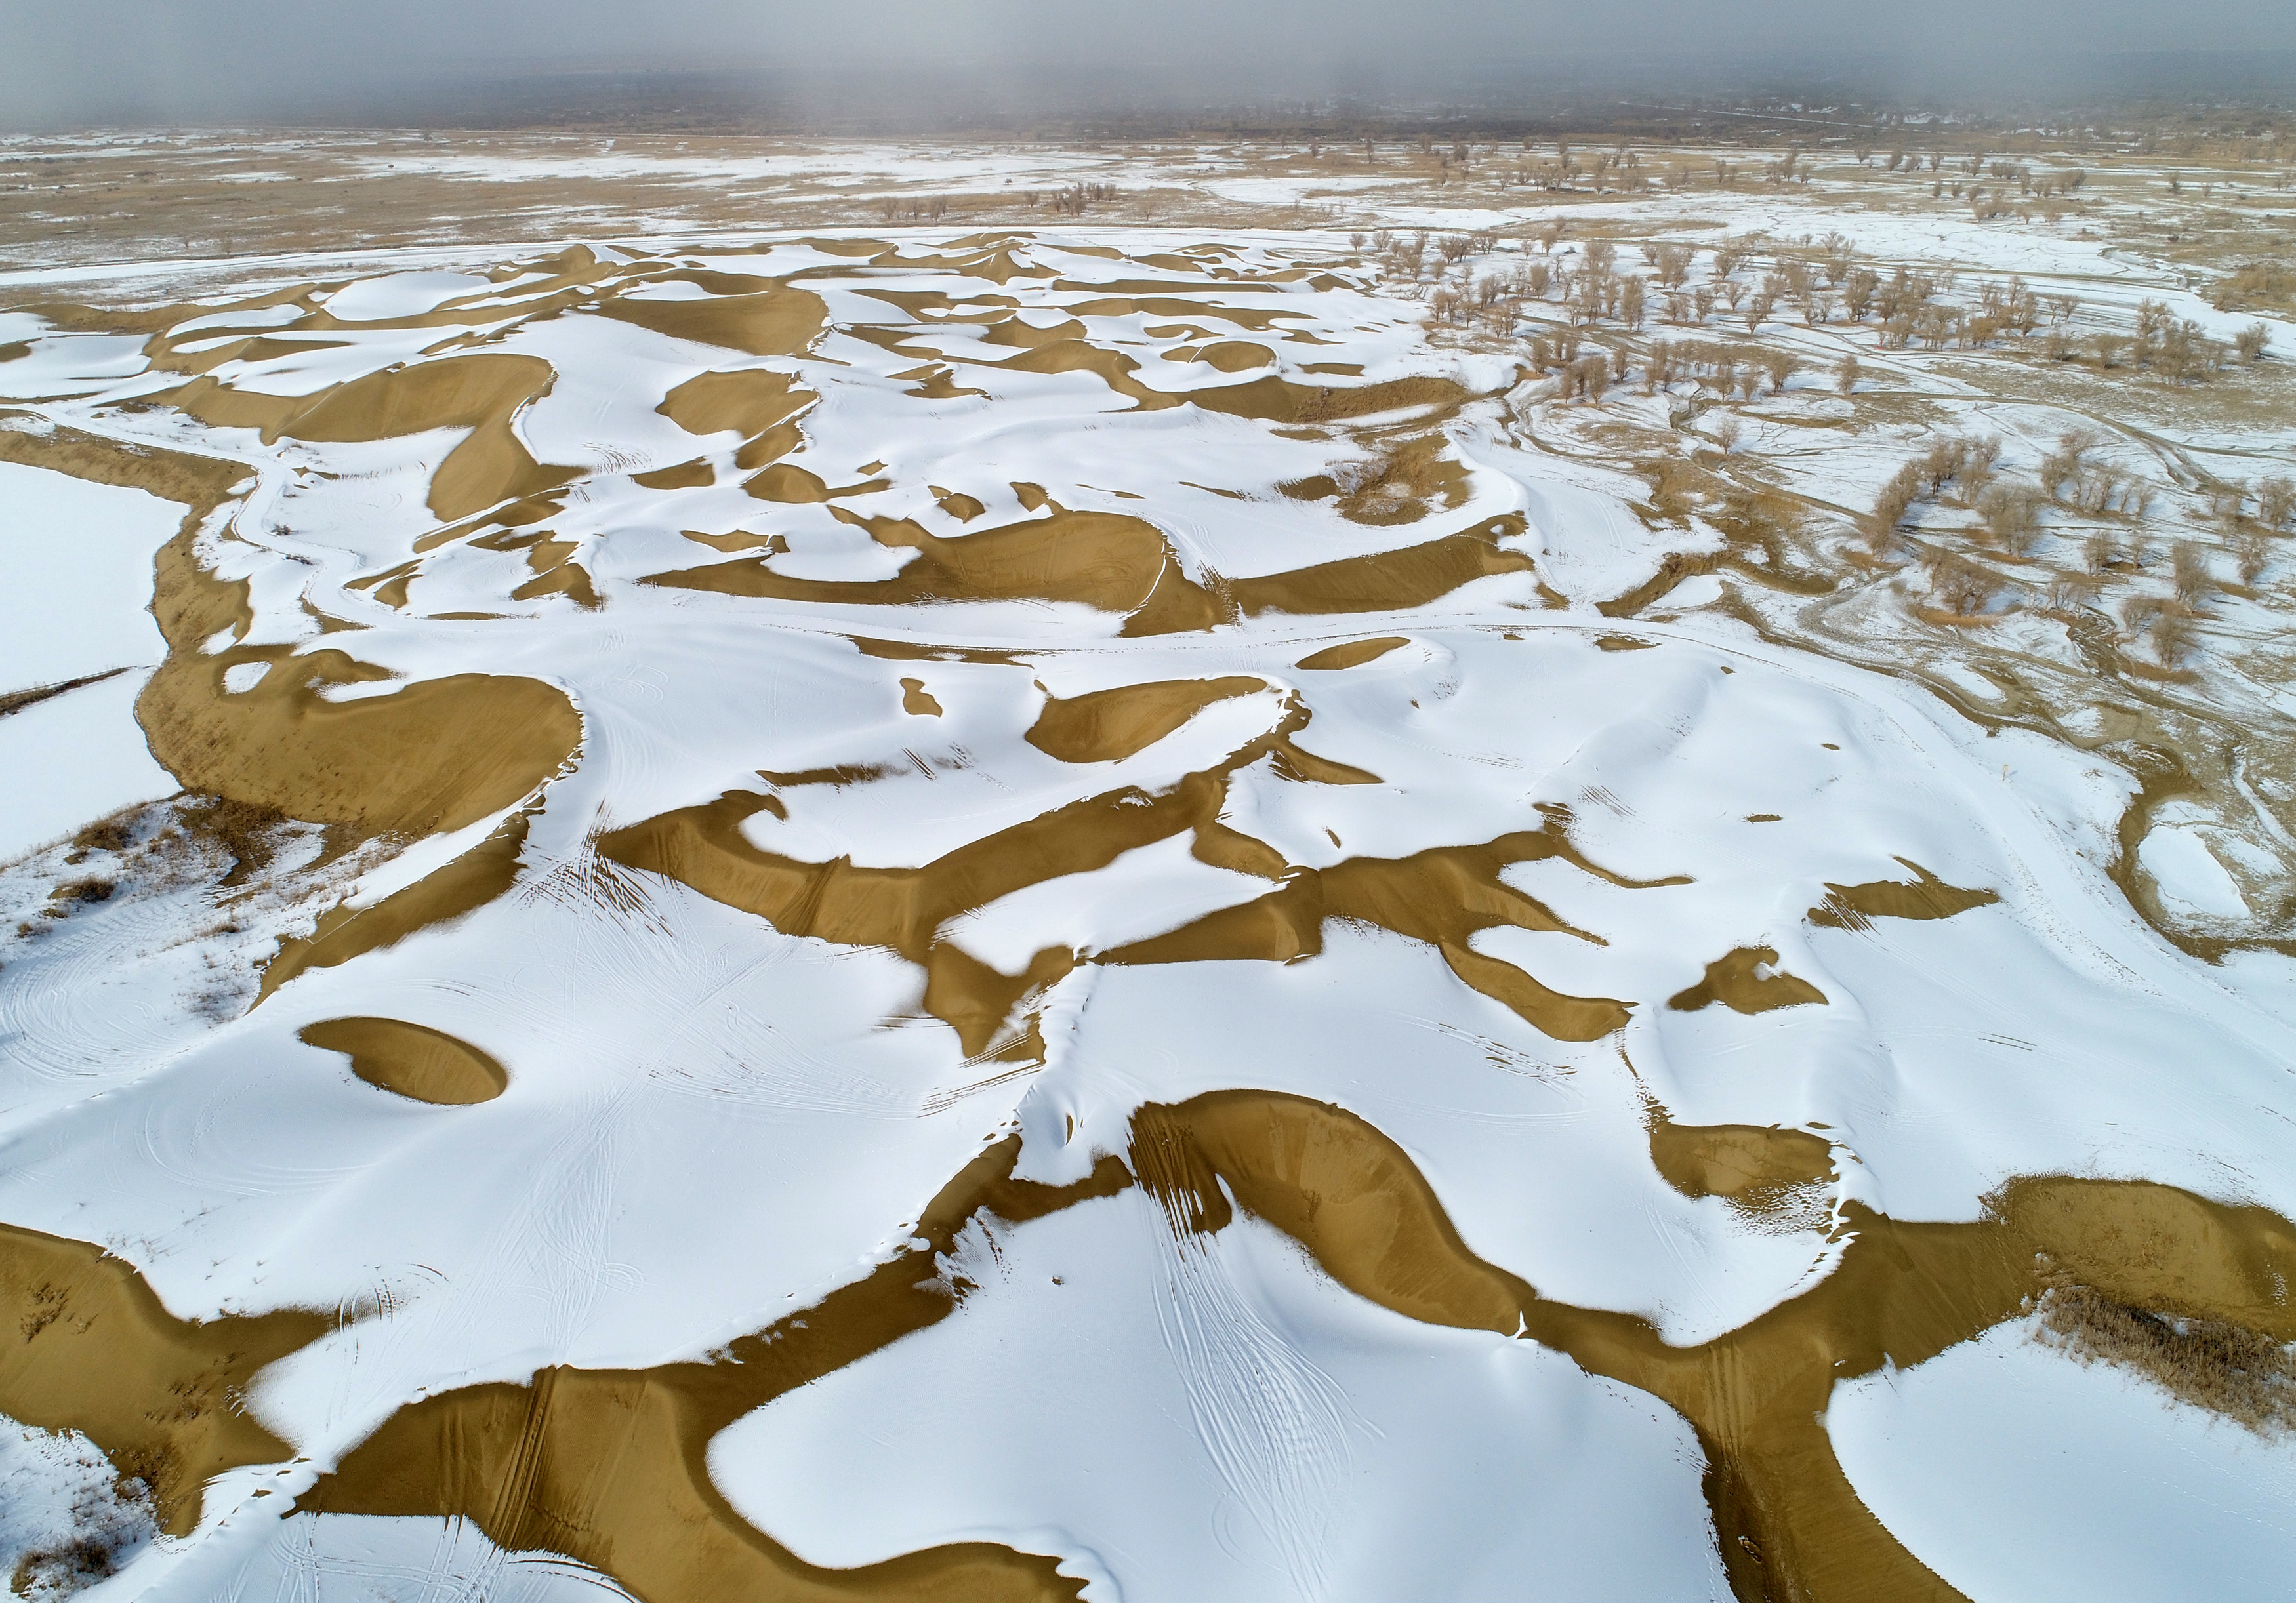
242 829
2227 1368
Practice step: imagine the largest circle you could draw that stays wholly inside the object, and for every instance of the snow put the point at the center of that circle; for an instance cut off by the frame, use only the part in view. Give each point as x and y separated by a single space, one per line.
711 1123
2188 875
77 562
77 559
75 757
56 1487
1128 1393
2020 1476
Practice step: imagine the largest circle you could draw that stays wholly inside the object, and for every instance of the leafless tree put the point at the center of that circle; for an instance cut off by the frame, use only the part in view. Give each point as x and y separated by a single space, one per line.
1671 264
2011 517
2173 636
2190 566
2068 592
1895 499
2251 548
2276 501
1846 375
1960 585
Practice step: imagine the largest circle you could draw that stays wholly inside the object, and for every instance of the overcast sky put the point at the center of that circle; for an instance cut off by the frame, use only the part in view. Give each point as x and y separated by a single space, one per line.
61 60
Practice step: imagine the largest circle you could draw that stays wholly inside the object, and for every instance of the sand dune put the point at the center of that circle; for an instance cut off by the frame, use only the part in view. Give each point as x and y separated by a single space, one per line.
749 808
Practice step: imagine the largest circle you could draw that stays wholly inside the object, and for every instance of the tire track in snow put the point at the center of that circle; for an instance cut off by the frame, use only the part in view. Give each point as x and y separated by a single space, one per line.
1275 1425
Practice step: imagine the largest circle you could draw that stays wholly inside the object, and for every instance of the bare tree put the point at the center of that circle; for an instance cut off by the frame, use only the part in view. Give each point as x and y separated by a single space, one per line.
2190 566
1726 435
1895 499
2276 501
1780 366
2069 591
1960 585
1671 264
1847 374
2251 548
2011 517
2173 636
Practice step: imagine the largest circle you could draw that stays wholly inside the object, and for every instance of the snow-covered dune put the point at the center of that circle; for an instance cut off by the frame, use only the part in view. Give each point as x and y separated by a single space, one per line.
982 916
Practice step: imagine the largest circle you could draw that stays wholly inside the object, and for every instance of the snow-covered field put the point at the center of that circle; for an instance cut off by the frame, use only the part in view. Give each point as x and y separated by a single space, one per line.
982 915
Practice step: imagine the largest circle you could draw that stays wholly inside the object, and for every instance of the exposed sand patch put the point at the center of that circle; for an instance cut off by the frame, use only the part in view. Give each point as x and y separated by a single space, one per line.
469 881
1926 897
1443 897
1352 654
91 1349
748 402
610 1466
432 758
479 392
1388 580
771 323
1104 559
1737 982
410 1059
1107 726
1790 1524
1744 1163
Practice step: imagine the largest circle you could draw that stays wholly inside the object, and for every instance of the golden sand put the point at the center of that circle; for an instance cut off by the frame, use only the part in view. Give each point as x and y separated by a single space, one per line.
1791 1526
1106 726
608 1466
1388 580
469 881
1731 980
1102 559
88 1347
1352 654
1925 896
410 1059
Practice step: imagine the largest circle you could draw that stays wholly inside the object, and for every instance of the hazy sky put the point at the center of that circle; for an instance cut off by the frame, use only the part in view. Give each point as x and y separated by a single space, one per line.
67 59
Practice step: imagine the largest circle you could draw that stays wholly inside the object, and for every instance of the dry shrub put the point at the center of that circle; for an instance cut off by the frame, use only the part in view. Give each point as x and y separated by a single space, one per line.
2228 1370
77 893
2062 465
2138 611
242 829
112 834
2258 283
67 1567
